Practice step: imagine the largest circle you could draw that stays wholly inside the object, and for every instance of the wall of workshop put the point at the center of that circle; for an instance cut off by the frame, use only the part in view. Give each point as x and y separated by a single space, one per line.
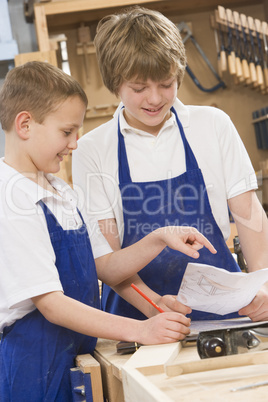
237 101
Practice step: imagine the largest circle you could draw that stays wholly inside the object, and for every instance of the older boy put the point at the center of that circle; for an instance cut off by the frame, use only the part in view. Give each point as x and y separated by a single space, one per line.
158 162
49 296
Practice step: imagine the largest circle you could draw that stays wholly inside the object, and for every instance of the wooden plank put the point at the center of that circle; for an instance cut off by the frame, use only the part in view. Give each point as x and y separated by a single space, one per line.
222 362
53 8
41 27
70 13
47 56
111 363
88 364
154 355
59 7
150 359
82 10
201 386
199 380
137 388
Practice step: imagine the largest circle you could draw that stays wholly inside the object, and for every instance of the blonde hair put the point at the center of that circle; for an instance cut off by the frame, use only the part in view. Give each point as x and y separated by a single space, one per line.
138 43
37 87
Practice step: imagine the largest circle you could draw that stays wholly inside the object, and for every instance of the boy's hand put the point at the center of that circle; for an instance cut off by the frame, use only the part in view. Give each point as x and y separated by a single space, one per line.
257 310
170 303
185 239
163 328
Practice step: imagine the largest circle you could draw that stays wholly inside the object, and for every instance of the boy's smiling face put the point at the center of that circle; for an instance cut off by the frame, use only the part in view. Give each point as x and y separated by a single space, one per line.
147 104
55 137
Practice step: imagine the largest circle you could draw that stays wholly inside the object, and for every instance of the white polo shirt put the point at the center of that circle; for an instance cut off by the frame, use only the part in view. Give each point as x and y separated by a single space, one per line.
27 259
219 151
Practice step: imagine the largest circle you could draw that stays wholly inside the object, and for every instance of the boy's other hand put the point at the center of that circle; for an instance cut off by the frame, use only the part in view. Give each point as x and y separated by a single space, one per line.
163 328
257 310
170 303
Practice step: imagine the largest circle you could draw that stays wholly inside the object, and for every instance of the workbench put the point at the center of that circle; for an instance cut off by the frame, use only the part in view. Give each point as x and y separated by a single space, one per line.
166 373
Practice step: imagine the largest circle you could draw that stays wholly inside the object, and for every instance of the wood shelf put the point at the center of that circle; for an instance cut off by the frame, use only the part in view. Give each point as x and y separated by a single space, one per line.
56 15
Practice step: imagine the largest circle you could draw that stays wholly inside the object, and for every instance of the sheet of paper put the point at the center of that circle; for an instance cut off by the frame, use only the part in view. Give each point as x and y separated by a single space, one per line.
215 290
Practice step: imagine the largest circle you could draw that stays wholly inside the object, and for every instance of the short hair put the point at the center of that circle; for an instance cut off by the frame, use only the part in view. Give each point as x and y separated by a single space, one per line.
37 87
138 43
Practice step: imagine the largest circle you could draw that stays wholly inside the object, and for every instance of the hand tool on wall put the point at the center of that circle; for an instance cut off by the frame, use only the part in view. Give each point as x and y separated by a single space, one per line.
264 27
244 63
230 49
235 54
252 68
217 45
257 24
223 51
251 29
183 27
223 59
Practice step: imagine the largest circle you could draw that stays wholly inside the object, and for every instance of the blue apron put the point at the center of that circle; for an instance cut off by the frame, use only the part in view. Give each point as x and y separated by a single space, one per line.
179 201
36 355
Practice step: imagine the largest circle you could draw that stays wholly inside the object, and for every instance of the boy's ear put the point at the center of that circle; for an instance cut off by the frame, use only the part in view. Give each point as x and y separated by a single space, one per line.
22 124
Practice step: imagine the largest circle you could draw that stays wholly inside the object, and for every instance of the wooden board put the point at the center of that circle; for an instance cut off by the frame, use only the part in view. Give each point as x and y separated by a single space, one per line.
88 364
111 363
188 378
47 56
68 12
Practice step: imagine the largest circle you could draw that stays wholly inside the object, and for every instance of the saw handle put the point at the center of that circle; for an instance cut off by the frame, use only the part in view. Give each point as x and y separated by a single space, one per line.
231 63
223 61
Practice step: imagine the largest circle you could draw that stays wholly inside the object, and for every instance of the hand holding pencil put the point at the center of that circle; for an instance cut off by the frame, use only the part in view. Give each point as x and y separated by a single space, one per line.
169 301
147 298
175 326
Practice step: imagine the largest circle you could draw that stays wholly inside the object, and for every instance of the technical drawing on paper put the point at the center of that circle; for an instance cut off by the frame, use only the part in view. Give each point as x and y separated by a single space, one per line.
211 287
215 290
207 285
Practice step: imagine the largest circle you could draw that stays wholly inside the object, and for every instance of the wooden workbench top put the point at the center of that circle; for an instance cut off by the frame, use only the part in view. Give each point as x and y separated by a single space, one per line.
168 373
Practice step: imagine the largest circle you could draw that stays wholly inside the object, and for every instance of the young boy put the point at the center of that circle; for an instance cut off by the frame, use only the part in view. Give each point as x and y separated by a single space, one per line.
158 162
49 299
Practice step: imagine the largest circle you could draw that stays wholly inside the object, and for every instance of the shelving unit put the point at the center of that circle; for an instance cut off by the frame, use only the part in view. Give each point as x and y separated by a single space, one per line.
57 18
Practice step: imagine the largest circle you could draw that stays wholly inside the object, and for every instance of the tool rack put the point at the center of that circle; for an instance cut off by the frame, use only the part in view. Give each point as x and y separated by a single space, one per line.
242 47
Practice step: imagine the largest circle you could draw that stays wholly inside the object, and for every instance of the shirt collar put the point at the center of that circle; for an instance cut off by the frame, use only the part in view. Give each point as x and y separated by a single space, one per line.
182 112
181 109
126 128
11 176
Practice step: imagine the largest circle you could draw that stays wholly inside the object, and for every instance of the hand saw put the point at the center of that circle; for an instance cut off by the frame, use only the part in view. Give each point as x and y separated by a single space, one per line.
183 27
